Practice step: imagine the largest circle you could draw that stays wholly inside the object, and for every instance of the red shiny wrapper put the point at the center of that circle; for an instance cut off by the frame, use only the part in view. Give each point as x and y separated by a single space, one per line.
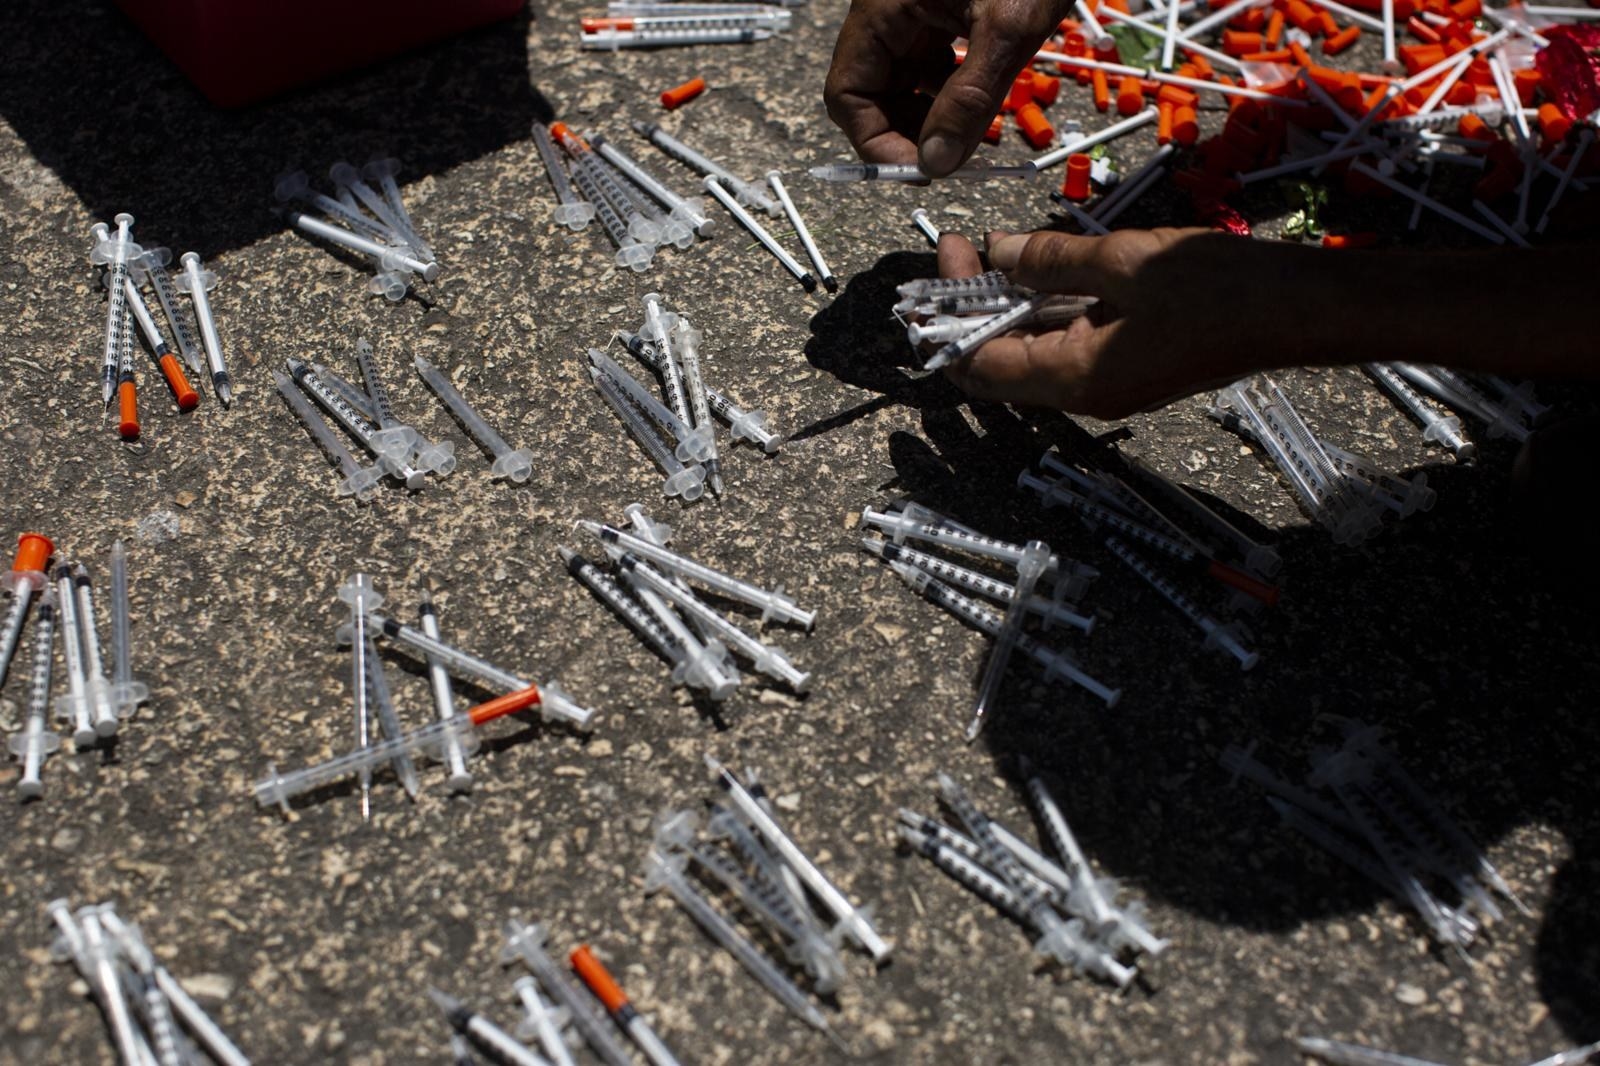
1219 216
1569 72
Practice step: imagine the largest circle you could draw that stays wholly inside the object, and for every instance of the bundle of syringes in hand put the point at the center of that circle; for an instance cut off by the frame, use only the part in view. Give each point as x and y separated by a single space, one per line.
937 579
399 450
634 24
127 266
1073 913
387 235
1385 825
670 346
451 740
94 703
778 886
152 1019
677 624
957 316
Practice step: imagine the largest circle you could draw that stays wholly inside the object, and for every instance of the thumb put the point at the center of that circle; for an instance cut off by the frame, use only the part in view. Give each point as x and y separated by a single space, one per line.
972 96
1052 262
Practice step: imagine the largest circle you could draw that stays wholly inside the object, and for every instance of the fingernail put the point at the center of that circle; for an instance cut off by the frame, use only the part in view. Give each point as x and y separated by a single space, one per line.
1005 252
940 155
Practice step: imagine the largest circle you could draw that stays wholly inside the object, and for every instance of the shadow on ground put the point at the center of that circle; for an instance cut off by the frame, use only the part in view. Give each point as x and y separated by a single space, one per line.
1448 631
116 121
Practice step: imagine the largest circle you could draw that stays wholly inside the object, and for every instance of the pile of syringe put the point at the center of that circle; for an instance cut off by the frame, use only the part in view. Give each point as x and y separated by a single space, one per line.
660 605
127 266
399 450
1022 594
775 883
94 704
1346 493
1384 824
954 317
383 232
545 1023
631 24
689 457
1073 913
450 741
1137 531
151 1018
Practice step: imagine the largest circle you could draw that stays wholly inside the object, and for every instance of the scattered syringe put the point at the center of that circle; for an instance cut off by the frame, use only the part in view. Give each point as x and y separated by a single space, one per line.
829 282
747 193
514 464
571 210
358 481
627 1016
25 579
742 424
713 185
487 1035
685 481
974 170
117 252
1035 555
526 942
37 741
352 420
126 693
198 280
153 264
278 788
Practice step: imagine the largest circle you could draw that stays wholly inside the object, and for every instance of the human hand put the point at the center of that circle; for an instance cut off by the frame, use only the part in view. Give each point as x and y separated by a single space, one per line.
1167 324
891 52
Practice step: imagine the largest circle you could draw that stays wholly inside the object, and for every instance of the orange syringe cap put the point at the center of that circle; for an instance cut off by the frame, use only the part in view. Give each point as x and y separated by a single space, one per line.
1076 184
182 391
598 978
501 706
128 410
33 553
679 95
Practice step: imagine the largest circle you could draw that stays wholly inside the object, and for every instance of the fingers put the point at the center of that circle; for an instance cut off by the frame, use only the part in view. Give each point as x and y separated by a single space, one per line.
957 257
880 60
1053 262
1015 369
1002 42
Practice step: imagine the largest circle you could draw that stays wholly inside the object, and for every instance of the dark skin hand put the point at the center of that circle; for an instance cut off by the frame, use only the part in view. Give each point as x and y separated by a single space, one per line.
892 53
1183 310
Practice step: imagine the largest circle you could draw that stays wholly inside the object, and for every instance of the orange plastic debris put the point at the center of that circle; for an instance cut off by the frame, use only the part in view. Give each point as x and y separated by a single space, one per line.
1349 240
1036 129
1552 122
1102 90
1274 30
1332 46
1164 123
1130 98
33 552
178 382
1238 43
128 410
1185 125
996 128
675 98
599 979
1075 186
1045 89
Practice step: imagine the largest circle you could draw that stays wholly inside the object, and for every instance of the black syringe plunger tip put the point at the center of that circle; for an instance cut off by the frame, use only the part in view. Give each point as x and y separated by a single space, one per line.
808 282
830 283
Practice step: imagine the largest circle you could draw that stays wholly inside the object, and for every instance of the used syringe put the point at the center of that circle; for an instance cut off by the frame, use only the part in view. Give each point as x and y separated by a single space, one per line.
356 424
126 693
572 210
973 170
489 1036
1049 611
37 741
1035 555
514 464
685 481
742 424
807 280
357 480
747 193
627 1016
278 788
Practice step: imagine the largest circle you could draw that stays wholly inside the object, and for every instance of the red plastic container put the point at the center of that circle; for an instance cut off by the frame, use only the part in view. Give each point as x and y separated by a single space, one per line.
241 51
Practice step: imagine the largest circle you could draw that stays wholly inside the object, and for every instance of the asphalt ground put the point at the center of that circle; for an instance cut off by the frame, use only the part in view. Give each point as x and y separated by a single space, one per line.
312 939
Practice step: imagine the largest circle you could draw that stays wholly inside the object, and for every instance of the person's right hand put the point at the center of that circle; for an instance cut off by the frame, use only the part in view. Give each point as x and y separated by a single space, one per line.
888 50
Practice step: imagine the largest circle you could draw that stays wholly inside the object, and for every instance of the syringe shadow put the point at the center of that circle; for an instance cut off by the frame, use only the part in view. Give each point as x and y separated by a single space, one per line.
125 131
1439 631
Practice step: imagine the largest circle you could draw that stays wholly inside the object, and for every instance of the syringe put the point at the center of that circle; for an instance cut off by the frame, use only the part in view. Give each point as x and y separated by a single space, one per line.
513 464
388 257
1002 323
627 1016
160 351
358 481
664 871
393 438
382 701
1341 1054
362 597
571 210
713 186
668 37
853 921
460 780
584 161
624 606
554 703
36 742
488 1036
116 252
279 788
773 604
630 252
352 420
742 424
383 171
701 664
1259 558
105 709
1437 427
658 330
198 280
690 211
973 170
24 579
688 352
542 1022
1035 555
432 458
829 282
297 186
747 193
1217 633
1056 664
76 703
126 693
1049 611
526 942
347 179
152 263
685 481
